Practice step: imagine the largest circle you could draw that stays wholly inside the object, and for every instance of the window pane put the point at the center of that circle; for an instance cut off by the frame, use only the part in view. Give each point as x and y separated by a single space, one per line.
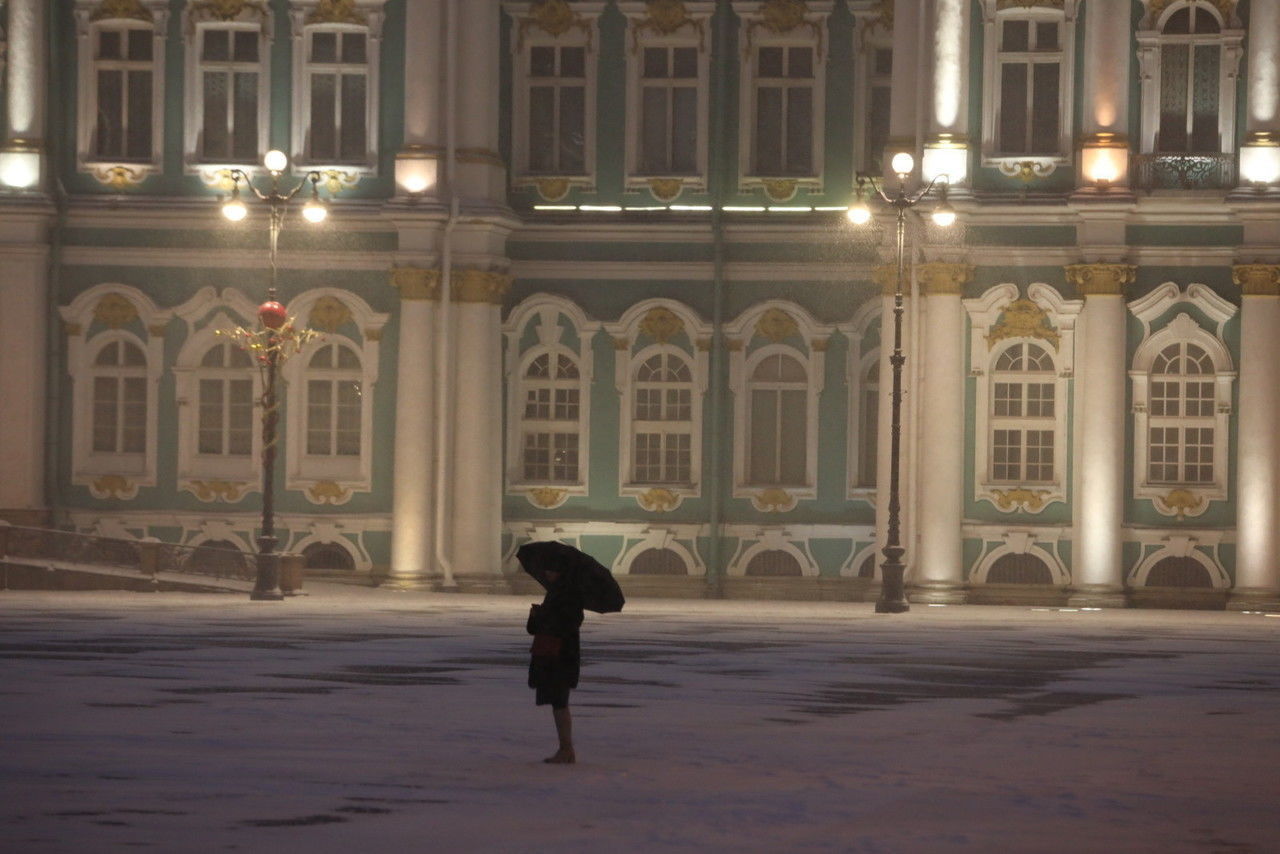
542 129
140 45
800 62
684 62
684 130
762 464
353 48
1044 120
1013 107
655 62
346 358
215 115
134 421
131 355
800 131
104 414
139 136
1016 36
324 47
573 62
883 63
793 429
245 143
1174 59
110 114
354 121
768 130
877 128
246 46
209 440
323 117
109 44
653 144
319 397
572 130
770 62
1046 36
217 45
240 418
1204 102
542 62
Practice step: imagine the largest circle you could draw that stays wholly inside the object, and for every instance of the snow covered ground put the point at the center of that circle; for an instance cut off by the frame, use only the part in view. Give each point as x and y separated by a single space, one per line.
359 720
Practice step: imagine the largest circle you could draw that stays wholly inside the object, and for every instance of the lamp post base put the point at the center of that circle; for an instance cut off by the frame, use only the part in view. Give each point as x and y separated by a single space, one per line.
893 594
266 587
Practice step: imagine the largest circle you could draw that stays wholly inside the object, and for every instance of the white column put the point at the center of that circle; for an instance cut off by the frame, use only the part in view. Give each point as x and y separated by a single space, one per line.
481 171
946 149
904 116
417 164
1258 451
1104 125
939 576
476 493
1260 153
23 324
21 159
413 481
1098 571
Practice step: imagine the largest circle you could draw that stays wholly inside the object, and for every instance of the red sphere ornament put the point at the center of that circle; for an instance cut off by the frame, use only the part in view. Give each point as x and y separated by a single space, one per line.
272 314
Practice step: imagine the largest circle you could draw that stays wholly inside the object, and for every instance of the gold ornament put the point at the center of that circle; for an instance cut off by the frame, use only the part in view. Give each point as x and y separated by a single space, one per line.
416 283
774 500
484 286
113 486
328 492
1023 319
1009 500
658 500
217 490
114 311
227 10
555 18
780 189
1101 279
1257 280
1181 502
661 324
942 278
666 17
666 189
552 189
329 313
776 325
337 12
132 9
547 496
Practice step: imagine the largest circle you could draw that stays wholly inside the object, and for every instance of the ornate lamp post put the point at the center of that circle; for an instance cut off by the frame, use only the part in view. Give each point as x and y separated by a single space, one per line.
272 343
893 598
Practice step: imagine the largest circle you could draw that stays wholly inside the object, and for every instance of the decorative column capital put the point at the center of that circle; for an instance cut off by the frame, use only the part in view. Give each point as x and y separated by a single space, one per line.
416 283
1257 280
1101 279
886 276
943 278
485 286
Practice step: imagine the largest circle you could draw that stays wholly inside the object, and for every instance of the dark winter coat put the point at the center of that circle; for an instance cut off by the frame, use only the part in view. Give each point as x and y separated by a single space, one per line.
559 615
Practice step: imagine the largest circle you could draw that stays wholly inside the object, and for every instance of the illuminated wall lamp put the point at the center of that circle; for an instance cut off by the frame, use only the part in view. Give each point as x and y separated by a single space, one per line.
1104 160
1260 159
947 155
416 170
20 167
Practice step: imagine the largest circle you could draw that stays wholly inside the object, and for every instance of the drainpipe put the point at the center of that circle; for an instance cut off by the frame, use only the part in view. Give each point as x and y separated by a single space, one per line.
715 521
444 335
53 349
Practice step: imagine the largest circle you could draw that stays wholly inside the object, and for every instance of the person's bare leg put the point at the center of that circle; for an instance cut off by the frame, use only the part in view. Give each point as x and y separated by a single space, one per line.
564 729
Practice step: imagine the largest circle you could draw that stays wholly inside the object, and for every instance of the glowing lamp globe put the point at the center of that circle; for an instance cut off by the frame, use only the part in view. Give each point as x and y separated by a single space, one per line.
272 314
859 214
275 160
902 163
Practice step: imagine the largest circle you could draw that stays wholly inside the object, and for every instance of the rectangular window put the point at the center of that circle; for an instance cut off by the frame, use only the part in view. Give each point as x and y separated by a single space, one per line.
124 78
778 438
229 73
784 106
338 77
557 110
1030 78
669 111
876 120
551 457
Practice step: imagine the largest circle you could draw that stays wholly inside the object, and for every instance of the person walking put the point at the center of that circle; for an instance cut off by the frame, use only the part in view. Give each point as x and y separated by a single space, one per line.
555 656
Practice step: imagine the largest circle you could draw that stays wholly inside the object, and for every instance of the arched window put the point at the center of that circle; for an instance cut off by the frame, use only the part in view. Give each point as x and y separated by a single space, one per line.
224 426
1023 415
229 89
777 427
662 418
1181 423
551 415
119 381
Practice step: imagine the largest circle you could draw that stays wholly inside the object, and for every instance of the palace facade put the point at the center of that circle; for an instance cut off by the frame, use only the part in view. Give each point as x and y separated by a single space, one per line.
587 275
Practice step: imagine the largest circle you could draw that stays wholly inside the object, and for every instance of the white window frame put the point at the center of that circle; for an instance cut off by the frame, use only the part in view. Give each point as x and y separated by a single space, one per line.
86 337
1024 423
527 34
546 316
858 365
755 33
199 21
867 80
694 32
692 346
984 314
1182 328
152 15
195 470
1151 38
312 16
303 471
993 19
748 346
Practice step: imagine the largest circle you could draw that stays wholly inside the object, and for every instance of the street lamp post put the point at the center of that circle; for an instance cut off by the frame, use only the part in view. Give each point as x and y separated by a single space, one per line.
269 344
893 597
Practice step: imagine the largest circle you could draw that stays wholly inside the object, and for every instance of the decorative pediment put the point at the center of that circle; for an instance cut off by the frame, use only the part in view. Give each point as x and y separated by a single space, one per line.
130 9
337 12
553 17
227 10
1023 319
665 17
661 324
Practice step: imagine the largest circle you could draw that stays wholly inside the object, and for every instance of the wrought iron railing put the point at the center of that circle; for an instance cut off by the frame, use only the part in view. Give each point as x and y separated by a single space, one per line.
147 557
1207 171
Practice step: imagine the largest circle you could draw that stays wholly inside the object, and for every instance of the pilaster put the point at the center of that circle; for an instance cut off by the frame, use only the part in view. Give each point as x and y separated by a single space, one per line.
1104 124
22 157
946 146
1098 571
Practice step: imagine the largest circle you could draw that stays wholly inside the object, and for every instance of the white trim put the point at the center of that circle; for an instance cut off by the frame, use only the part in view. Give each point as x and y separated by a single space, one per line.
372 11
86 122
301 473
1150 39
743 360
660 538
992 18
773 539
521 47
627 362
1018 543
547 311
857 367
694 33
984 312
253 19
812 32
1182 544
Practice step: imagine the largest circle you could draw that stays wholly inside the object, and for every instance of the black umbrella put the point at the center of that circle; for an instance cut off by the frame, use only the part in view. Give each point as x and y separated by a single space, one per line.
600 591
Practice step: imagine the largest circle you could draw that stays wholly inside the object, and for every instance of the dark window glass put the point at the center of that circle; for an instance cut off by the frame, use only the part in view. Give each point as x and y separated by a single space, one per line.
324 47
109 44
800 62
140 45
1044 127
685 60
246 46
542 62
353 48
573 62
1047 36
354 122
216 45
1013 107
1016 36
883 61
770 62
655 62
